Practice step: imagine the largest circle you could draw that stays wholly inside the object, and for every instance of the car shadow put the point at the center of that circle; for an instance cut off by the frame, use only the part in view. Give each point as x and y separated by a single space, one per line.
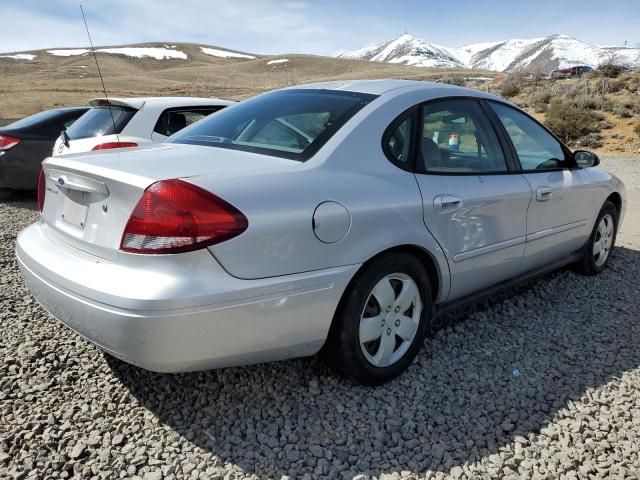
23 200
489 377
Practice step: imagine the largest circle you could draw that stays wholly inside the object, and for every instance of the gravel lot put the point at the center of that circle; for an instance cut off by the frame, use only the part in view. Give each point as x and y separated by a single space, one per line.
68 410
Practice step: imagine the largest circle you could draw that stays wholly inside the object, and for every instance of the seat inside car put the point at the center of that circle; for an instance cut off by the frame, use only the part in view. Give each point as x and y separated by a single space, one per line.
431 155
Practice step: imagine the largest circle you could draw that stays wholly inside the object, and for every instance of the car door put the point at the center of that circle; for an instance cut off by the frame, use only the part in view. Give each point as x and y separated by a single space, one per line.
474 200
558 217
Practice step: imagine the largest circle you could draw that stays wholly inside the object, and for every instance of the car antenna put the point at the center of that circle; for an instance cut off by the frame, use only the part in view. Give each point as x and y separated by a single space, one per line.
93 50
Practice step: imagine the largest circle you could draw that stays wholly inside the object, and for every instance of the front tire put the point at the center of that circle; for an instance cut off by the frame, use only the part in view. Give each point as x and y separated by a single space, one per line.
597 251
381 321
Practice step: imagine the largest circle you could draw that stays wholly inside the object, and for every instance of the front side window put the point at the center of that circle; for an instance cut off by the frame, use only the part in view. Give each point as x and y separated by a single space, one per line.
287 123
458 138
99 121
536 148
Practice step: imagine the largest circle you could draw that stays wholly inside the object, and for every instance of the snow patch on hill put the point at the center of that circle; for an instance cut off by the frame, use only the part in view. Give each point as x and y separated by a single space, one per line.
20 56
279 61
158 53
68 52
215 52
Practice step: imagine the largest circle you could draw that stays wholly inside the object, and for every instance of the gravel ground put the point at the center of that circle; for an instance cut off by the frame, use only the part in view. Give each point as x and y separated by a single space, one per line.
68 410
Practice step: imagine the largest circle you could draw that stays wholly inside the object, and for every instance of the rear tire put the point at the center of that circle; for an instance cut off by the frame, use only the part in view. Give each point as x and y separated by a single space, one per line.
381 321
598 248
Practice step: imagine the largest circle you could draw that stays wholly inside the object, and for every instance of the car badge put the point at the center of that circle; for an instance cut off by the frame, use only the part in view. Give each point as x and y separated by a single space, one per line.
61 181
60 148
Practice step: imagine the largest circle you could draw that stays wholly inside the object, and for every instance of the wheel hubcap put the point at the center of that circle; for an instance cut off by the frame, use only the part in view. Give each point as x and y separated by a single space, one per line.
390 319
604 240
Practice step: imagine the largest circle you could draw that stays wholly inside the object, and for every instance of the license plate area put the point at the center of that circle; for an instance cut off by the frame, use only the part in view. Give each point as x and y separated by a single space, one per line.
74 209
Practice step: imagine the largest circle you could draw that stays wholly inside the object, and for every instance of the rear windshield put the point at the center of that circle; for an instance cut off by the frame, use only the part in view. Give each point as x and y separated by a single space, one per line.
288 123
98 122
35 119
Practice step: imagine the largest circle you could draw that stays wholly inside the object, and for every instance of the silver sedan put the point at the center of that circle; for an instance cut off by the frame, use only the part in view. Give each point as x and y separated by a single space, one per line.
338 218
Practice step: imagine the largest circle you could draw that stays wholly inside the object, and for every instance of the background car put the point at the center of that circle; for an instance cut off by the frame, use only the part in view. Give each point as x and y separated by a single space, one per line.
336 217
130 122
25 143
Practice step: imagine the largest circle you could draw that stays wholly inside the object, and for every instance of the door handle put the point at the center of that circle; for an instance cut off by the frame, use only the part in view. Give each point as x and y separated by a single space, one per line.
447 203
543 194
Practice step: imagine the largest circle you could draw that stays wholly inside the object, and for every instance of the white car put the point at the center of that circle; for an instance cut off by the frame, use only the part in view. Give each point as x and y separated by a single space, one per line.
130 122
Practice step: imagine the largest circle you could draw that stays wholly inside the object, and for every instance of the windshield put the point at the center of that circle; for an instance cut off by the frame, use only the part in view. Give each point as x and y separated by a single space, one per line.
98 122
287 123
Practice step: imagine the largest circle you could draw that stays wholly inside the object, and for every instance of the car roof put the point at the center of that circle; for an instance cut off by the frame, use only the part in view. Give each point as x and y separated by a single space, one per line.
382 86
168 102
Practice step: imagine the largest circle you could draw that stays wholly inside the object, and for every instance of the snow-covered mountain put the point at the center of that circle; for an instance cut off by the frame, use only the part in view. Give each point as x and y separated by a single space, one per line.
541 54
409 51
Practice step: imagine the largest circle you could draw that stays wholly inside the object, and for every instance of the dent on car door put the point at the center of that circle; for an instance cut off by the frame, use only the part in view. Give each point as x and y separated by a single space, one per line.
558 219
473 203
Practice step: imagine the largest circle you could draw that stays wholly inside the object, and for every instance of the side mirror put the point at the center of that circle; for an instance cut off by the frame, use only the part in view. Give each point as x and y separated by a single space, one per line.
586 159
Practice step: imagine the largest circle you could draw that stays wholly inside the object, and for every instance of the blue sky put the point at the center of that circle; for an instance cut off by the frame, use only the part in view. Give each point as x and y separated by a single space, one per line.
310 26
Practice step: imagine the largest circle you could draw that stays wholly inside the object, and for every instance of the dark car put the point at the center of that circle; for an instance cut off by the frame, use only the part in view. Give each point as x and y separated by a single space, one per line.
25 143
575 71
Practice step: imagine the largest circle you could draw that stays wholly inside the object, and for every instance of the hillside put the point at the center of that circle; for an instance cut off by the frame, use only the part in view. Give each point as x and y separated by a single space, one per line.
37 80
539 54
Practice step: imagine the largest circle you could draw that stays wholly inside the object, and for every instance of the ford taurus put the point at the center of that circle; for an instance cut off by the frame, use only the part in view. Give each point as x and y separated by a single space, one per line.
338 218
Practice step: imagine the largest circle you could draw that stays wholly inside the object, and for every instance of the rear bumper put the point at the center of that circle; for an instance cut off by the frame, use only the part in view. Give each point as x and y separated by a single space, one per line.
193 316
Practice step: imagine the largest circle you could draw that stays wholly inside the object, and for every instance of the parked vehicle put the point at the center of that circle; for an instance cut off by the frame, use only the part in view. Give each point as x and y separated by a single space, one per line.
575 71
130 122
338 217
25 143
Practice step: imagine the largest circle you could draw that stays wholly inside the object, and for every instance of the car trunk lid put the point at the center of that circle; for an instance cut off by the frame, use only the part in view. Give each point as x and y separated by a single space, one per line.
89 198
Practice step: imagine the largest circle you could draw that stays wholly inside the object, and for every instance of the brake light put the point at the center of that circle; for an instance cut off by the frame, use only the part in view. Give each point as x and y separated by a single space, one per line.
41 189
175 216
8 142
108 145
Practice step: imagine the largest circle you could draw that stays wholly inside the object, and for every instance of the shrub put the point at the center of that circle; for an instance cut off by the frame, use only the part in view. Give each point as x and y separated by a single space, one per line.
591 140
540 100
636 128
458 81
510 88
622 111
585 102
604 125
610 70
570 122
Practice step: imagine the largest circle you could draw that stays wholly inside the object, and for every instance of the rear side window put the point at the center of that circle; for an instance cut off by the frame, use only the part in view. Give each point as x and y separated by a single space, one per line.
172 121
458 138
536 148
398 142
291 124
98 121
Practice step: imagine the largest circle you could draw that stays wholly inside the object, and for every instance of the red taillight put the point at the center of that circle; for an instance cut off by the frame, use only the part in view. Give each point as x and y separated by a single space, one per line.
108 145
175 216
7 142
41 190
